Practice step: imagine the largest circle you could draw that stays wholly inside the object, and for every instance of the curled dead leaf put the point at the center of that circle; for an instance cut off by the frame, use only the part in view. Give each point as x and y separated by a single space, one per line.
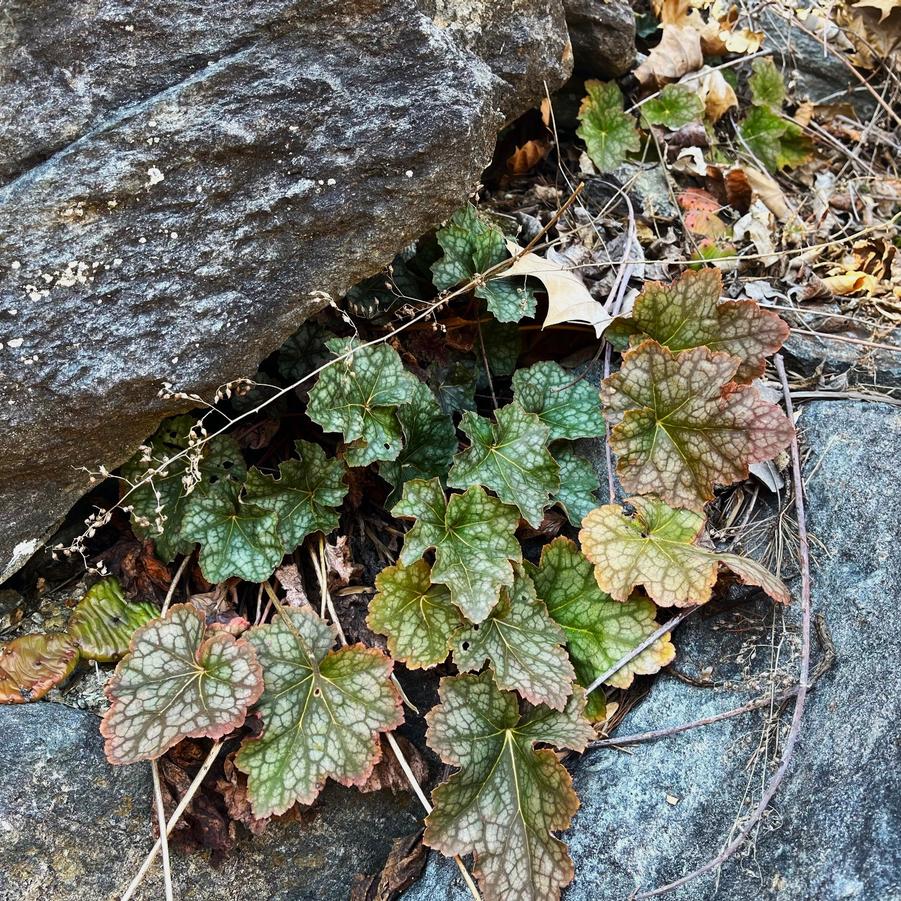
678 53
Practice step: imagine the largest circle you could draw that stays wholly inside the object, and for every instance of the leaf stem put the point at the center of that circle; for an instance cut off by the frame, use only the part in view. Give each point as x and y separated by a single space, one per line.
174 584
161 819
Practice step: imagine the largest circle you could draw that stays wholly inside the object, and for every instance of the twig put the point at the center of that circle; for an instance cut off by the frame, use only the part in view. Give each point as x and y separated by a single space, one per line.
666 627
486 364
174 583
321 567
803 682
176 816
161 819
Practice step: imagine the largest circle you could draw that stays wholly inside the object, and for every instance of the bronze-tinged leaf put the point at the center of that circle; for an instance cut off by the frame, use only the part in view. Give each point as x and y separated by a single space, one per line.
682 425
656 547
33 664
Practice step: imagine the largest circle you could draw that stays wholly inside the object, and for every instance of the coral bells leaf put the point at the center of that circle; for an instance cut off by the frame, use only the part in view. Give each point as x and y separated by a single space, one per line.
524 646
417 617
472 535
577 494
608 132
687 313
656 548
507 798
509 456
174 683
599 631
675 106
33 664
322 712
683 426
358 397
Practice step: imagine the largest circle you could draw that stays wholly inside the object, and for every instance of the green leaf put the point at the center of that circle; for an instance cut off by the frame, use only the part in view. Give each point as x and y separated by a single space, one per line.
33 664
776 141
608 132
570 407
523 644
322 712
358 397
579 484
159 505
430 440
174 684
305 351
417 617
510 457
508 799
657 548
503 345
474 542
304 497
104 622
471 247
236 538
675 106
455 386
599 631
767 84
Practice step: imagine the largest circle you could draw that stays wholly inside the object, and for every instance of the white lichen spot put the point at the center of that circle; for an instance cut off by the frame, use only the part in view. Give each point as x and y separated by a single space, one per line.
16 342
331 181
15 264
409 173
173 235
154 175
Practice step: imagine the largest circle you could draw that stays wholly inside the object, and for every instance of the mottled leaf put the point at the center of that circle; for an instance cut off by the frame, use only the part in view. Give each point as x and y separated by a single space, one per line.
569 406
455 386
304 352
305 496
676 105
104 622
358 397
510 457
766 83
473 537
417 617
322 712
236 538
687 313
774 140
33 664
174 684
657 548
523 644
683 425
507 799
608 132
503 346
471 247
578 490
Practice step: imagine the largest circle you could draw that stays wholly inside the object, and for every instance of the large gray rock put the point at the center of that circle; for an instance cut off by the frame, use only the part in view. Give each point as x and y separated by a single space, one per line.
651 815
183 183
603 36
74 827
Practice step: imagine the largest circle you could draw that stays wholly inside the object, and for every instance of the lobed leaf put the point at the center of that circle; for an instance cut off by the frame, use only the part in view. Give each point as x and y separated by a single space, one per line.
417 617
608 132
676 105
103 623
174 683
687 313
523 644
358 397
322 712
305 496
33 664
767 84
236 538
507 799
657 548
567 405
774 140
682 424
577 494
473 537
510 457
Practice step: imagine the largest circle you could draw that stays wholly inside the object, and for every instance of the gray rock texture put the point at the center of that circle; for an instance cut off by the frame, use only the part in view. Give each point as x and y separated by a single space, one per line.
181 184
603 36
74 827
654 814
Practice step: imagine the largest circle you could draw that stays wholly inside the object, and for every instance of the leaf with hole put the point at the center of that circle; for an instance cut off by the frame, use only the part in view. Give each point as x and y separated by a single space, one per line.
608 132
472 247
509 456
676 105
305 496
472 535
682 425
104 622
417 617
656 547
322 712
174 683
569 406
359 397
33 664
507 799
687 313
523 644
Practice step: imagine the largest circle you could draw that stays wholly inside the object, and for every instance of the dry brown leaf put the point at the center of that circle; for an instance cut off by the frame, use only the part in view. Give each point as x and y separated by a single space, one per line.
767 190
738 190
678 52
714 91
853 282
528 156
757 226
